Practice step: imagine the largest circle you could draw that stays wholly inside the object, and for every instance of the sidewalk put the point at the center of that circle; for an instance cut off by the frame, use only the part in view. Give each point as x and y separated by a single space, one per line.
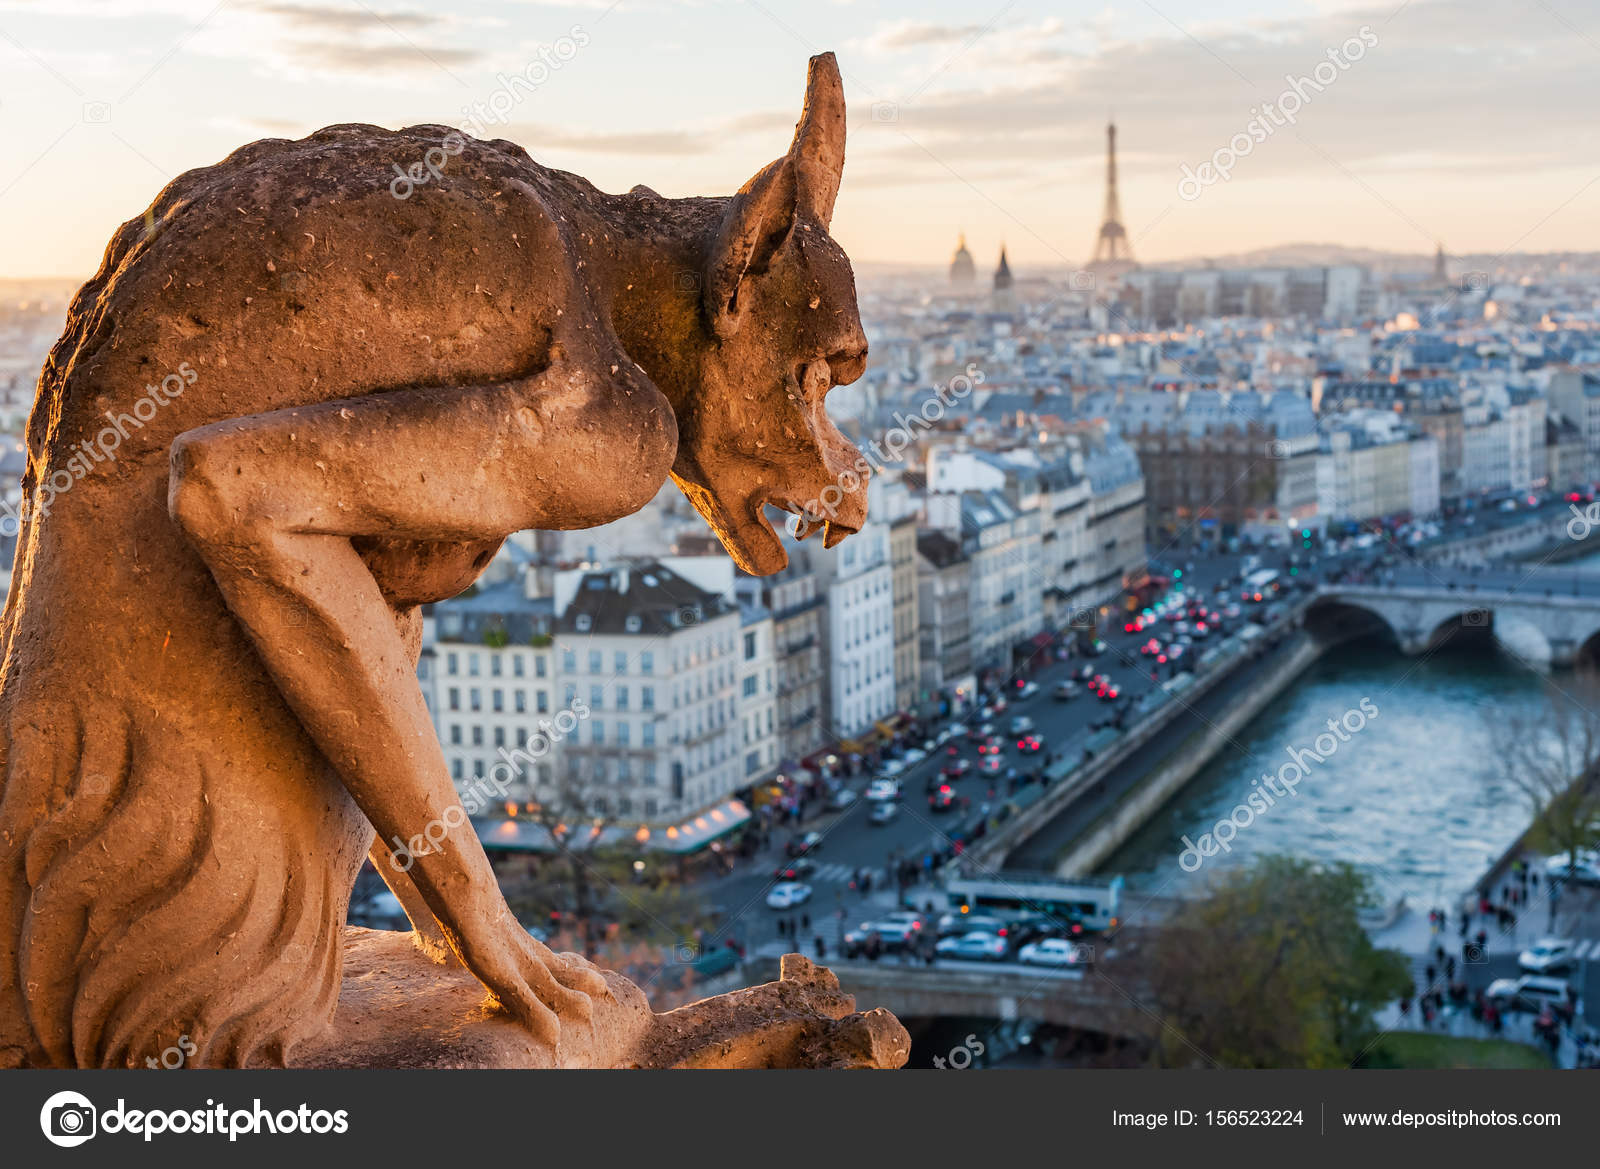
1458 1021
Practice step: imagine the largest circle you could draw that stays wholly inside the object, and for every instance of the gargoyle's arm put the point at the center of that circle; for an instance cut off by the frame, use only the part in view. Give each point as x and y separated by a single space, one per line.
272 501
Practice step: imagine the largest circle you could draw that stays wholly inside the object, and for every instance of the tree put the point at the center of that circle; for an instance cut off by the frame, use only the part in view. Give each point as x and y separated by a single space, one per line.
1551 755
614 901
1271 970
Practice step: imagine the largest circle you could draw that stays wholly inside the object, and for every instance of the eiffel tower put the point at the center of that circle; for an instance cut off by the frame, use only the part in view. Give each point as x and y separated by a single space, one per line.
1113 256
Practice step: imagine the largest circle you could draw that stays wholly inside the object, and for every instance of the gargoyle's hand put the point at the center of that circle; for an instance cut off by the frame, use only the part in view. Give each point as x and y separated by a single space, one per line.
537 987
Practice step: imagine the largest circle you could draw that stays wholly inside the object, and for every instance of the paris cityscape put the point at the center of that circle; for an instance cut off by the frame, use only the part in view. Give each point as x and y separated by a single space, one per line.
1211 682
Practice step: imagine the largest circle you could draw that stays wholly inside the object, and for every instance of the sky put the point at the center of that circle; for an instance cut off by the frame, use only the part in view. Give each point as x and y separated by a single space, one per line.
1470 122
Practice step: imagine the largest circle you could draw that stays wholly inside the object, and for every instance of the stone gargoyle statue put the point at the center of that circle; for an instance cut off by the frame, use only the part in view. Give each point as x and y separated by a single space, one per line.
298 401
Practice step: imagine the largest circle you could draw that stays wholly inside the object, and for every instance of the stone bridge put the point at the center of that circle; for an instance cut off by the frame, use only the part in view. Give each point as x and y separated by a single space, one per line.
1544 614
1101 998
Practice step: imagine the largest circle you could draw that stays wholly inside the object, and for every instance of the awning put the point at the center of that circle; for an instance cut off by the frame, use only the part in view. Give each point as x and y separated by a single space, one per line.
695 834
500 834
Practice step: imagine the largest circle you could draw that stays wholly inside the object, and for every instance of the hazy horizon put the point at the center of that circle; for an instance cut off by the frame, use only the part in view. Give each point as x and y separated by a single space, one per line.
987 122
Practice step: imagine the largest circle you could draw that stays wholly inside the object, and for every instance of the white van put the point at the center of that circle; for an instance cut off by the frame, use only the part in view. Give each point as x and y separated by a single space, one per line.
1531 992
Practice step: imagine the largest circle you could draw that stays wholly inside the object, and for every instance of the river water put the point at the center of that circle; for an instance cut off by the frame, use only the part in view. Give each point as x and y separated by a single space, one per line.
1412 797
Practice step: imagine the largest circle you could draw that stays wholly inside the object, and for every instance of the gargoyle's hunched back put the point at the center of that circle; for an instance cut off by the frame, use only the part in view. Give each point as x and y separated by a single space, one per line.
156 879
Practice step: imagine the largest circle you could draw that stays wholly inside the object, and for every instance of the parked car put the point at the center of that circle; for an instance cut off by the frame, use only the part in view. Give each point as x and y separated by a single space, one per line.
892 936
909 916
974 946
810 842
1531 992
883 789
955 925
1054 952
884 813
1585 870
892 767
1546 956
788 895
916 755
841 799
1028 690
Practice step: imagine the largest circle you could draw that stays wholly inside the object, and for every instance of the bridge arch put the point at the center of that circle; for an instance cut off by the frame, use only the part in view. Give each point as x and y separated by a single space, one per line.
1587 656
1471 625
1332 620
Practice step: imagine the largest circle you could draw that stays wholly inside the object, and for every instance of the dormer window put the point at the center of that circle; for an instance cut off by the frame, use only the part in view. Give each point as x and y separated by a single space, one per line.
633 624
584 622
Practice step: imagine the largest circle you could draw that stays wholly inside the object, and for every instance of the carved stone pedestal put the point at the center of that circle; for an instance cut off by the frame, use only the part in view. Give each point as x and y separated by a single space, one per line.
399 1010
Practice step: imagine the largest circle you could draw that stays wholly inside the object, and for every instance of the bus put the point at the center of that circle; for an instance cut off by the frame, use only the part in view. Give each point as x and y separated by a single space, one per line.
1081 905
1261 585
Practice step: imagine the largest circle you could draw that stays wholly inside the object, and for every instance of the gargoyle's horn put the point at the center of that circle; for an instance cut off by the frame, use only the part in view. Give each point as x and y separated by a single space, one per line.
818 149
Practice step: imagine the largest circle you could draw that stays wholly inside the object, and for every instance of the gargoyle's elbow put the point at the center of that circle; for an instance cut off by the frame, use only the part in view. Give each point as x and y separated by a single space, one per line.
195 492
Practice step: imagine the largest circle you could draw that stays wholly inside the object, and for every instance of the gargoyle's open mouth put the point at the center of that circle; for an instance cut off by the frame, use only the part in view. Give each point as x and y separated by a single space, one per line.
748 533
807 523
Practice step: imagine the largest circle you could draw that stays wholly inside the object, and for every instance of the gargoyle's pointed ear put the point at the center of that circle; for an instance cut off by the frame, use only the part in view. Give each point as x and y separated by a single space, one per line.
803 182
818 149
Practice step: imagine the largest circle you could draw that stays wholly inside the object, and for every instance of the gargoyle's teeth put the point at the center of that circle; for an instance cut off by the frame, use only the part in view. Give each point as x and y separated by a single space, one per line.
835 533
804 525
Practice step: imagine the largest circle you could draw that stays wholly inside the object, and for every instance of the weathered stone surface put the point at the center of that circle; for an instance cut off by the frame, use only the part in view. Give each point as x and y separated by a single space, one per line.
301 398
397 1009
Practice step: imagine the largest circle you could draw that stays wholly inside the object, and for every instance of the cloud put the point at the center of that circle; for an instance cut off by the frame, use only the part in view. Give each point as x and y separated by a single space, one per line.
313 18
1444 87
399 56
912 34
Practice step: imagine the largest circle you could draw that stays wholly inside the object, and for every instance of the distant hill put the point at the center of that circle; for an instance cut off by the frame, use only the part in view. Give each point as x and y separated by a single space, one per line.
1306 255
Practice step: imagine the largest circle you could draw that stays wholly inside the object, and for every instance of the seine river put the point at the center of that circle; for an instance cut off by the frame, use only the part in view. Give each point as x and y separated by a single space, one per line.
1412 797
